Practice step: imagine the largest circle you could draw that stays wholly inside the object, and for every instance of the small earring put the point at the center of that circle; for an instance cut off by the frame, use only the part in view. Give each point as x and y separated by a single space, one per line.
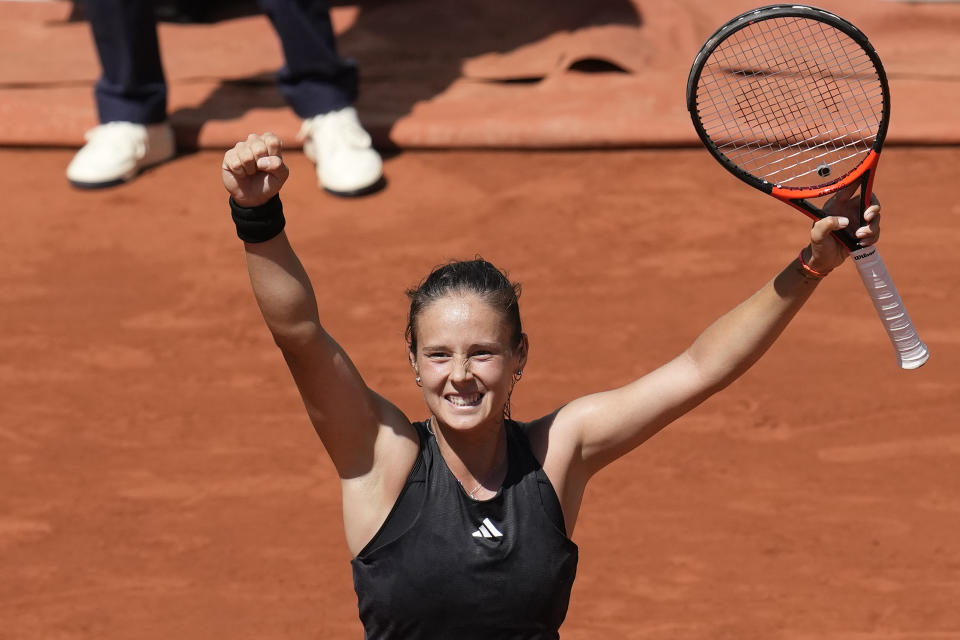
518 374
418 382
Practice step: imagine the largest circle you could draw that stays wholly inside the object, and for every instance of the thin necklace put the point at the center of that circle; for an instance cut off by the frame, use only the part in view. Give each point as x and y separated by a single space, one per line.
471 494
479 486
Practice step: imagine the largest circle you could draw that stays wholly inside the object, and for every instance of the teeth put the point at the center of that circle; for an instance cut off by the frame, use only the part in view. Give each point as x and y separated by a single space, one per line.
464 401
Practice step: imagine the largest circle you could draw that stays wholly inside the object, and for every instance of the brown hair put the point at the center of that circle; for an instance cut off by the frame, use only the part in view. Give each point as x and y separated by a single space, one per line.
475 276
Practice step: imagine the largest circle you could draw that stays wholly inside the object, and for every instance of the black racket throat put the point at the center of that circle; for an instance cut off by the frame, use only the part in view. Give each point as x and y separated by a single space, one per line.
847 235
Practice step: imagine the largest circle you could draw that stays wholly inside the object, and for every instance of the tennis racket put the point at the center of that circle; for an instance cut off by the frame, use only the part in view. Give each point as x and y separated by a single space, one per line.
793 100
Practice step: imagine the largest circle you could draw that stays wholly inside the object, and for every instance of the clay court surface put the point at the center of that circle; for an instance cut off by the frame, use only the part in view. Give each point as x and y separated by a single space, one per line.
159 478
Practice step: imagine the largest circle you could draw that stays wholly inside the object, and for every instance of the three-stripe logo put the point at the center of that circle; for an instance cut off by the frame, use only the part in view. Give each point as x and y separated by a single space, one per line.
487 530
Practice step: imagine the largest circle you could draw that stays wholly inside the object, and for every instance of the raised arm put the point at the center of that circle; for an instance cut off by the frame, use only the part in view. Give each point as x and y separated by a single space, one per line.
595 430
358 428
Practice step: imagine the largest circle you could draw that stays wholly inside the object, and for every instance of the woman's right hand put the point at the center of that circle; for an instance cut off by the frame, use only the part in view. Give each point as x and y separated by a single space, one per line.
826 252
253 170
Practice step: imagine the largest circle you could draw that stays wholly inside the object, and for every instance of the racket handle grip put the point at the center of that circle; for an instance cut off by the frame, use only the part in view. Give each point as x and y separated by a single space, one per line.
910 349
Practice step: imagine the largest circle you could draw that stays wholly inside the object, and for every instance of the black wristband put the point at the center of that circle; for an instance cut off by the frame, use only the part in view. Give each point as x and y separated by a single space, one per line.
258 224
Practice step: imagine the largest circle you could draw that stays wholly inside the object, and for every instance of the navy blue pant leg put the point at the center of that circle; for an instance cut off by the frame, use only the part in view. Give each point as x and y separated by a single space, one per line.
132 87
315 79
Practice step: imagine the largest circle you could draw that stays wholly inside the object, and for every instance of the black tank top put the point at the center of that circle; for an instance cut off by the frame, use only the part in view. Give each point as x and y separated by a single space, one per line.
446 567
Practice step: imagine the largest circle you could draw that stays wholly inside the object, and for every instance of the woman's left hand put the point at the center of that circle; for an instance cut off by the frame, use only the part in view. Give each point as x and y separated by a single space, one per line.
825 251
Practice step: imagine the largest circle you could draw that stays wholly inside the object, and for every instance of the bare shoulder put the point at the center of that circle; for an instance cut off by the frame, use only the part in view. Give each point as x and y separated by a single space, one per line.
557 433
554 444
369 496
397 444
538 435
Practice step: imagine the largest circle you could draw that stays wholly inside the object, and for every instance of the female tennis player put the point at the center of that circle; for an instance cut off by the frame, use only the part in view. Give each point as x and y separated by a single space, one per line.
460 524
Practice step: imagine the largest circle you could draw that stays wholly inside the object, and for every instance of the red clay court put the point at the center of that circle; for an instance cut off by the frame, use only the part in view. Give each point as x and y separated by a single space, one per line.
160 478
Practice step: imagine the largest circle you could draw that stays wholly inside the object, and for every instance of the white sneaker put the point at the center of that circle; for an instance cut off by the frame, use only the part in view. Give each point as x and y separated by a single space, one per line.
117 151
347 164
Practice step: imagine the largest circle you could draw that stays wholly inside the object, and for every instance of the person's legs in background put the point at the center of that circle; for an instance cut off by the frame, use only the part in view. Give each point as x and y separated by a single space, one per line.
131 97
321 88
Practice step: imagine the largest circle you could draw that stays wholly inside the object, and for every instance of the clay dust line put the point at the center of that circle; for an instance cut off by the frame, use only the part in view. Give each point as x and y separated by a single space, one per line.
946 445
84 83
16 438
874 635
944 77
75 594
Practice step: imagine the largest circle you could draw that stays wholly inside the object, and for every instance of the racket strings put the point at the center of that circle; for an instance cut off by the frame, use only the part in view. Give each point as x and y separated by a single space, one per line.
791 100
777 98
776 105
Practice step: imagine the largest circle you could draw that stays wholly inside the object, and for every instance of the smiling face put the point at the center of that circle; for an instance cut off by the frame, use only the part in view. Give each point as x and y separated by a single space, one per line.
466 361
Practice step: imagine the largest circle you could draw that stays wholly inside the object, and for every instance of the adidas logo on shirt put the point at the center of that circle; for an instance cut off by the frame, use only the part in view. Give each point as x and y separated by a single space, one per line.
487 530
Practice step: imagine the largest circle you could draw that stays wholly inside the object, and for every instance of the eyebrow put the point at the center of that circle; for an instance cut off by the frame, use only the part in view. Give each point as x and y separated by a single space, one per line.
492 346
